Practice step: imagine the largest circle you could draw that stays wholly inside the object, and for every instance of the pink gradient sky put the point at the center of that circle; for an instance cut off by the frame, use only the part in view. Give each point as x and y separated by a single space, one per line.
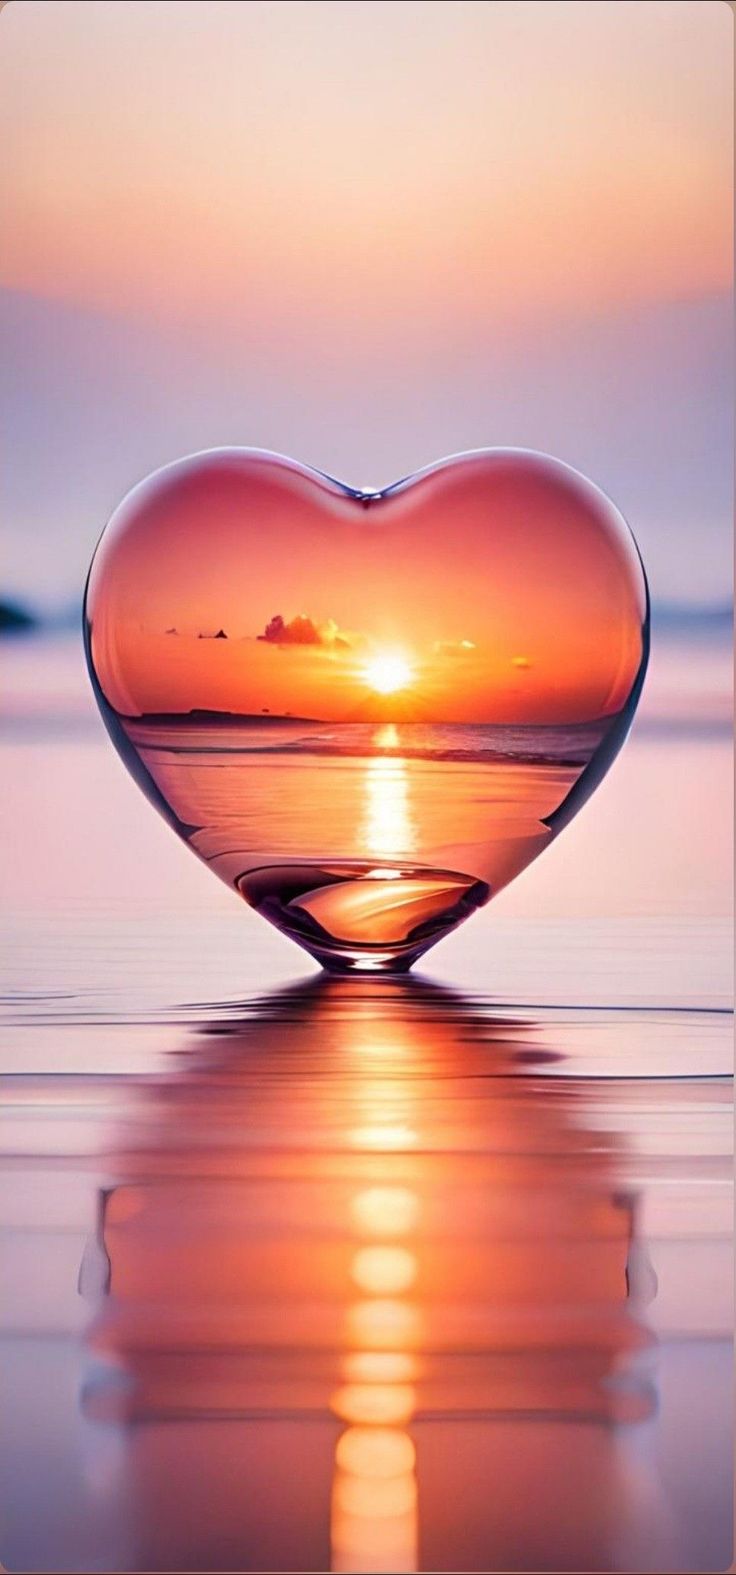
366 233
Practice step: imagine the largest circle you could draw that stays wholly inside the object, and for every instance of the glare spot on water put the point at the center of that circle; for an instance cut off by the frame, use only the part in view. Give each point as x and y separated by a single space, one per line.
375 1452
391 1138
369 1403
384 1271
384 1324
380 1367
390 1210
387 736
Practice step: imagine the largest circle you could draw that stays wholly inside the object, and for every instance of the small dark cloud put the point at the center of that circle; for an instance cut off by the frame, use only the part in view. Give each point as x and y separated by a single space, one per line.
302 630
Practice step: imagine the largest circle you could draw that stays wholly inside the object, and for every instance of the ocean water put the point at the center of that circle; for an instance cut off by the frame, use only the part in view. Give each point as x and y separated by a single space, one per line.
358 1274
363 843
477 743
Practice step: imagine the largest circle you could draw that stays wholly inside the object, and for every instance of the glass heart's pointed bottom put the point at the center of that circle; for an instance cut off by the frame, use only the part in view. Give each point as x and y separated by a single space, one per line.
359 916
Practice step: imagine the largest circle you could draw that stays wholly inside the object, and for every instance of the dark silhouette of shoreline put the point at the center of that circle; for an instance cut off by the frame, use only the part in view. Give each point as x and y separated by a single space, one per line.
204 715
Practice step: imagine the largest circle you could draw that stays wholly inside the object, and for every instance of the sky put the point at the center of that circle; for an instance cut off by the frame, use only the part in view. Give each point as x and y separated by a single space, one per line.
366 234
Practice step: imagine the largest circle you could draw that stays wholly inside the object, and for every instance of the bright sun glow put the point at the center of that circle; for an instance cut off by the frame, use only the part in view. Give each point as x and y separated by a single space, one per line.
386 674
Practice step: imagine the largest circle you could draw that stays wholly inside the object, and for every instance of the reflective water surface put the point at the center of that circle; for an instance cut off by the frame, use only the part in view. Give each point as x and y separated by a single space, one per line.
360 1278
365 1274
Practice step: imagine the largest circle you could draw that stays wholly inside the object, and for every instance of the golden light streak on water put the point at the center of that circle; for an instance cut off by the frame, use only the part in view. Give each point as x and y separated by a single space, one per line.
374 1522
387 829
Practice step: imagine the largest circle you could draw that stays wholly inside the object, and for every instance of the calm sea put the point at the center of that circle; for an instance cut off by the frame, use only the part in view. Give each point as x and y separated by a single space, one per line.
422 1275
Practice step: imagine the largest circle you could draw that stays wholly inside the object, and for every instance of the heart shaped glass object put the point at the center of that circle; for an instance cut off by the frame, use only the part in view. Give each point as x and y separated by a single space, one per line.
367 711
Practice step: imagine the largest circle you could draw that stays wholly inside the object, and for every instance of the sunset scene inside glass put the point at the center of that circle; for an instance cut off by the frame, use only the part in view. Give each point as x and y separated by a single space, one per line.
367 711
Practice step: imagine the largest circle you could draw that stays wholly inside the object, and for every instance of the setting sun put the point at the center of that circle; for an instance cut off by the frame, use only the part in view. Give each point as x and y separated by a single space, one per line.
387 674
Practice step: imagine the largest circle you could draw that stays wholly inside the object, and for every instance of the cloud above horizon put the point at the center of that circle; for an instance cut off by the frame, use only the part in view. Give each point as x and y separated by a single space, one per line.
302 630
453 647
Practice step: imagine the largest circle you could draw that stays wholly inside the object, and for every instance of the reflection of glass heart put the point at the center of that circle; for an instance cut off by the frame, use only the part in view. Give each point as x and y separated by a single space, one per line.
367 711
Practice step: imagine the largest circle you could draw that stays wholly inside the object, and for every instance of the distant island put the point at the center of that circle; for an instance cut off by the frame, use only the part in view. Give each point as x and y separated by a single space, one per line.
15 618
201 714
688 616
18 618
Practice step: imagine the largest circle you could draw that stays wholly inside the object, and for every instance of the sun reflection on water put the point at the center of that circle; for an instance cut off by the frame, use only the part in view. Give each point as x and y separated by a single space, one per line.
374 1518
374 1522
387 829
443 1242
